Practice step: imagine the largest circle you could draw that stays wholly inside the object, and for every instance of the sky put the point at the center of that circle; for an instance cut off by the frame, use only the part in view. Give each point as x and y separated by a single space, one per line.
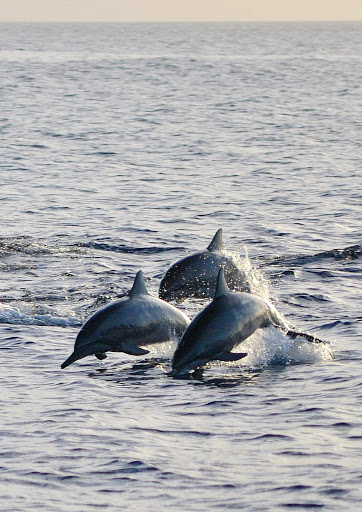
180 10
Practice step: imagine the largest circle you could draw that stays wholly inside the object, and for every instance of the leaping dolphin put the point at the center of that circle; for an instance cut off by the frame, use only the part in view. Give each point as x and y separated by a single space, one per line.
132 322
225 323
196 275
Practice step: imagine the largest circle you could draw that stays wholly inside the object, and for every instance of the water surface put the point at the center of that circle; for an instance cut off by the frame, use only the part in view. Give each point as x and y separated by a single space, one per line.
125 147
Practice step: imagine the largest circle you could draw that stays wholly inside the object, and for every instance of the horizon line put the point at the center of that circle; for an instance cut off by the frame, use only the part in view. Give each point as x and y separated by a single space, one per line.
190 21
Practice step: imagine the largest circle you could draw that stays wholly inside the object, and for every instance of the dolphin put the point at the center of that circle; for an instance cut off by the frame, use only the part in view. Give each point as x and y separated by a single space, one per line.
196 275
225 323
127 325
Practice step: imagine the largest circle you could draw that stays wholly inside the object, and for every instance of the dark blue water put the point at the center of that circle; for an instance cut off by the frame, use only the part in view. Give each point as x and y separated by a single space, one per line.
125 147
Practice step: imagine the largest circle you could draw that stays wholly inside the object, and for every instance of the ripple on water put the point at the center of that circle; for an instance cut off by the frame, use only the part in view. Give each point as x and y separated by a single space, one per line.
210 130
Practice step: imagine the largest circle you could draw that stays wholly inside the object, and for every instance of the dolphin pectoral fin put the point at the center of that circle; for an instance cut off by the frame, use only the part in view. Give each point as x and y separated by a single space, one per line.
130 348
308 337
100 355
231 356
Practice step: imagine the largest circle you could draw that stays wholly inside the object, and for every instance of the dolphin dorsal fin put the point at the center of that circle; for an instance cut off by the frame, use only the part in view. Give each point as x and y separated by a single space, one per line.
221 285
216 243
139 286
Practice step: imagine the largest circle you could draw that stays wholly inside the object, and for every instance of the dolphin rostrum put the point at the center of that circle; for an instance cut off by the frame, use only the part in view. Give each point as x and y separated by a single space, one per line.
132 322
196 275
225 323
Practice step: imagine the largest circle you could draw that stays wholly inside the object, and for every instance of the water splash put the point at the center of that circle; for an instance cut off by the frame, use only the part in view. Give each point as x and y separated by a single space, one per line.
32 247
25 314
271 346
162 350
257 282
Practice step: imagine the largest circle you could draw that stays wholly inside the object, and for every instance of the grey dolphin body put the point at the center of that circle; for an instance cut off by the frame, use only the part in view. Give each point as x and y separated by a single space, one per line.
196 275
227 321
128 324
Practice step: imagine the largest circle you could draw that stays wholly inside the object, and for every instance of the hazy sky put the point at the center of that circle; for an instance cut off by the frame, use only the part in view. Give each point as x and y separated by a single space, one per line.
179 10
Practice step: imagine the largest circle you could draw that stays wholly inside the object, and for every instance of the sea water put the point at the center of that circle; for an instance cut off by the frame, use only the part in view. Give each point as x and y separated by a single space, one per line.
125 147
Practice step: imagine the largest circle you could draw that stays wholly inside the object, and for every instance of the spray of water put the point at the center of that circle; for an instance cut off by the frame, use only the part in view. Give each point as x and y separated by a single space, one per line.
271 346
255 279
27 314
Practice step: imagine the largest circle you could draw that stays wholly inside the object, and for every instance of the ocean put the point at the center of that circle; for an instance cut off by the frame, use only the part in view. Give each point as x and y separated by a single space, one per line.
124 147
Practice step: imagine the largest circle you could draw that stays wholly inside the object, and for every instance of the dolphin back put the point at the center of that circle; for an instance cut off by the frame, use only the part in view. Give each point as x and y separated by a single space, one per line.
196 276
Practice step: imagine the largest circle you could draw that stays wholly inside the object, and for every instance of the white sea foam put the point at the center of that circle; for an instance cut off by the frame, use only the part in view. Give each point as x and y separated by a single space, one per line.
24 314
162 350
271 346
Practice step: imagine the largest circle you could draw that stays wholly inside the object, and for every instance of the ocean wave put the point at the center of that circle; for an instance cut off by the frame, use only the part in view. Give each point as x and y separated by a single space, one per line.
352 252
123 248
24 315
29 246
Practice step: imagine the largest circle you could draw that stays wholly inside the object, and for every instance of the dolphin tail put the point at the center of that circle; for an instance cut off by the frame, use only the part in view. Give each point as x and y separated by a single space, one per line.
308 337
